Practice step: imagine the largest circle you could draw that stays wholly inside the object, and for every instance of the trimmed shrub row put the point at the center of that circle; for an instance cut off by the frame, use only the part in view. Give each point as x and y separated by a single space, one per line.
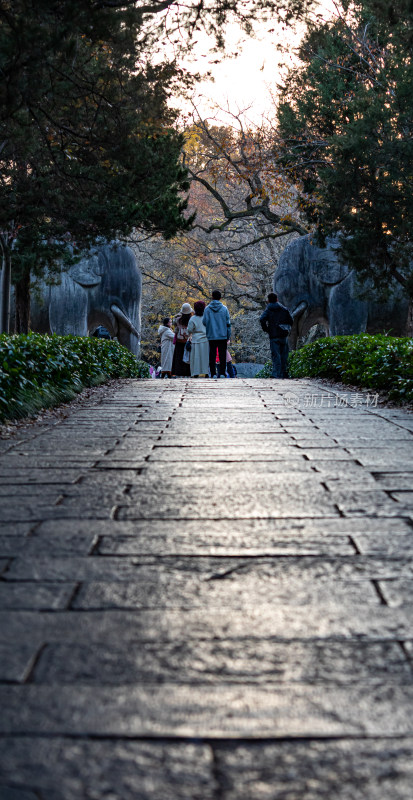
383 363
38 371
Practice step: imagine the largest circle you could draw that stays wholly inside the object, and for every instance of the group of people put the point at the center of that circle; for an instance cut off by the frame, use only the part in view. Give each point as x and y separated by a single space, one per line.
190 341
196 339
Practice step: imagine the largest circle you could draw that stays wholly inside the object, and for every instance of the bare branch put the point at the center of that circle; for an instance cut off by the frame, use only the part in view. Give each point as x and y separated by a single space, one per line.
252 242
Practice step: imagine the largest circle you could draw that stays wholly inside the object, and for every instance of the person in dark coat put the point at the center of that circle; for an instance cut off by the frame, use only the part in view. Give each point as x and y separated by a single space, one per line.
277 321
179 367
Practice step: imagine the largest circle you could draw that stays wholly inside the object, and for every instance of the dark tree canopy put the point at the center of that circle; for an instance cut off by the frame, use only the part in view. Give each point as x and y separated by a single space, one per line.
346 121
87 148
79 118
87 145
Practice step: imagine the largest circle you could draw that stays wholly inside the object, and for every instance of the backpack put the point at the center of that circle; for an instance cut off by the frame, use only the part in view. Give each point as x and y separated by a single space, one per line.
283 331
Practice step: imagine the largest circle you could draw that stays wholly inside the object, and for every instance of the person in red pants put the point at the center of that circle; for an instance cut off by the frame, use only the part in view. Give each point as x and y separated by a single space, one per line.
218 330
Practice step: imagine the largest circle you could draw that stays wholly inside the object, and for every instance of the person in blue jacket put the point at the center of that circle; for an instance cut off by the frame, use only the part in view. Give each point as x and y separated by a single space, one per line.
218 330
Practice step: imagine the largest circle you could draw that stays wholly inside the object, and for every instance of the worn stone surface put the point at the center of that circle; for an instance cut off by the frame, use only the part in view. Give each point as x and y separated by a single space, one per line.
64 769
397 591
35 594
245 661
316 770
221 711
242 573
232 594
11 545
206 592
16 662
364 623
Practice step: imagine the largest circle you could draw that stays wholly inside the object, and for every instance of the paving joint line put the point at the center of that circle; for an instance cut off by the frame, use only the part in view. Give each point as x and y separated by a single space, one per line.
222 741
72 598
378 590
354 544
29 678
406 654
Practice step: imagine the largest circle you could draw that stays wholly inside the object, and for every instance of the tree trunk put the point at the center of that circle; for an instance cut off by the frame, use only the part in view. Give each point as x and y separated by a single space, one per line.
409 331
22 289
5 290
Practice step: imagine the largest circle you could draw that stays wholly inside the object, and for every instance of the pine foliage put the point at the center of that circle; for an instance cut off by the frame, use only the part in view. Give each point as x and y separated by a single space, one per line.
346 120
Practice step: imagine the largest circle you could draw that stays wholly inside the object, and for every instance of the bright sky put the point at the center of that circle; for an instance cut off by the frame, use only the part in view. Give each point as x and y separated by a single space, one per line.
248 80
243 82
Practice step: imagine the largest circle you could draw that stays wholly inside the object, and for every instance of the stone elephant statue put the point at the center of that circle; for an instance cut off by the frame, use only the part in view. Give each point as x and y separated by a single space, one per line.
318 289
104 288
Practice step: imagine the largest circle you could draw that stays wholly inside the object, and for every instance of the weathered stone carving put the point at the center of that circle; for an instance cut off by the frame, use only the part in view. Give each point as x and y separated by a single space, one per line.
318 289
104 288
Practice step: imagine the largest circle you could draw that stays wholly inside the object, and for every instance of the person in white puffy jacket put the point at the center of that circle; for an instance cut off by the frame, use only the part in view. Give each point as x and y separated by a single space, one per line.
167 347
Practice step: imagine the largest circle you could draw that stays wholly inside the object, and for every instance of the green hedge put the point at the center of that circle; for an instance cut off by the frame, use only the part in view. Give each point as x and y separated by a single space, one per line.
266 371
383 363
38 371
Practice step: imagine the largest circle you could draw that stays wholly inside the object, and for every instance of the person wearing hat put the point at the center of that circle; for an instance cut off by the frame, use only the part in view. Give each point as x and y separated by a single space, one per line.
199 343
179 367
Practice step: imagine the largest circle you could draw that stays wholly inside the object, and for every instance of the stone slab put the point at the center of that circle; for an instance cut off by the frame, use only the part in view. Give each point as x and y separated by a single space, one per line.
4 563
49 491
11 545
393 481
388 544
259 499
50 461
31 475
397 591
244 661
213 628
110 479
327 453
316 770
17 529
405 498
276 468
58 544
130 463
16 662
63 453
14 793
217 418
241 452
230 438
176 542
38 510
240 529
239 594
224 711
370 502
35 595
379 460
130 452
285 570
75 768
349 620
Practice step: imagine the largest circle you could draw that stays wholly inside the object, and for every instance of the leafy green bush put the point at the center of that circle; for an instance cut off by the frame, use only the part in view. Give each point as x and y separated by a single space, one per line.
266 371
377 362
37 371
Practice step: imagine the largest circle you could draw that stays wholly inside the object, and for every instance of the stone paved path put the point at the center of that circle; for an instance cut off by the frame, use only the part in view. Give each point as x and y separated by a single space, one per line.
207 594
